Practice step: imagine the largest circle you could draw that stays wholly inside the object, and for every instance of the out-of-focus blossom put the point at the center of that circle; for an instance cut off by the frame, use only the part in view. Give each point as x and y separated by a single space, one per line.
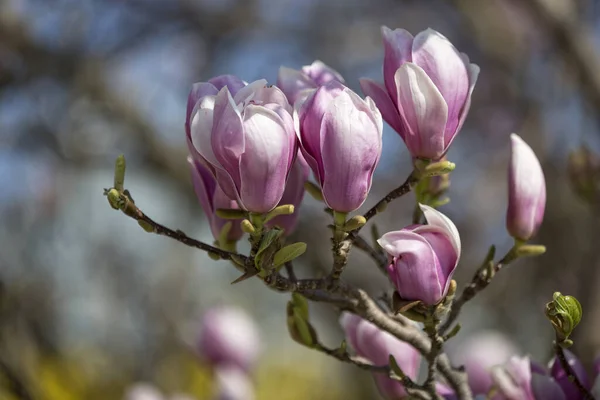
211 198
233 384
423 257
427 91
376 345
526 191
340 136
293 194
229 336
298 84
247 141
561 377
513 379
479 353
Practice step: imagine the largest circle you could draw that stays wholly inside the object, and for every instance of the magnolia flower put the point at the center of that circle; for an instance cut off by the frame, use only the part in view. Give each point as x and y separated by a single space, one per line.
427 91
423 257
340 138
247 141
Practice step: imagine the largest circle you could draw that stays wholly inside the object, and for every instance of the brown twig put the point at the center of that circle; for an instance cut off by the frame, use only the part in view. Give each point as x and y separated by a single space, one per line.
394 194
377 256
368 309
411 386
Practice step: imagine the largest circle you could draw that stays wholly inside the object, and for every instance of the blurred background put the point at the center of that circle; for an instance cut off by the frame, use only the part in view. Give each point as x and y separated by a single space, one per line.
91 304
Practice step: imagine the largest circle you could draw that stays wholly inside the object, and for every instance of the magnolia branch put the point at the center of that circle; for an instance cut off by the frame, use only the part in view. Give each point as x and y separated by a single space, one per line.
315 289
369 310
391 196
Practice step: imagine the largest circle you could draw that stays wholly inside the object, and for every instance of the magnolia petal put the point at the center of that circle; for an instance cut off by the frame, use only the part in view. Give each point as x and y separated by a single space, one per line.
227 138
424 112
310 116
444 65
233 83
321 73
473 70
199 90
292 82
246 94
384 102
436 218
264 165
397 51
351 147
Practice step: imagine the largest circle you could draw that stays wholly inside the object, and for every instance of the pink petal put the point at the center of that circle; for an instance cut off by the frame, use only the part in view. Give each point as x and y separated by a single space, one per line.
444 65
384 102
264 164
351 147
398 50
424 112
227 137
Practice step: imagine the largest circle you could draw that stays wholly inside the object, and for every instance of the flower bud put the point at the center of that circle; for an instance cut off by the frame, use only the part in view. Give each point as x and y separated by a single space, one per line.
526 191
211 199
376 346
233 384
247 141
340 136
560 375
479 353
298 84
293 194
427 91
513 379
228 336
423 257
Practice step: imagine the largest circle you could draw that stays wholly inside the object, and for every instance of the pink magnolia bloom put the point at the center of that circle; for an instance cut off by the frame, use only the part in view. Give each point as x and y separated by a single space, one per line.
299 84
211 198
228 336
513 379
526 191
247 141
423 257
427 91
376 346
293 194
340 138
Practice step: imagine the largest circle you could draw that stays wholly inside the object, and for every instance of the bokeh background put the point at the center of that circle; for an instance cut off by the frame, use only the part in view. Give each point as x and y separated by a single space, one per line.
90 303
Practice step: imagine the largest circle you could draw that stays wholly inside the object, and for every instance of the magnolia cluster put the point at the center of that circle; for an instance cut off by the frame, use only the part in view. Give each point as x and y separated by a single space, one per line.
252 146
489 360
